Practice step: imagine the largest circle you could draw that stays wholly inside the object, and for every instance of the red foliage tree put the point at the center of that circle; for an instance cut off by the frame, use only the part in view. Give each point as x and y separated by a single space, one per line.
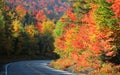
39 27
116 8
71 15
40 17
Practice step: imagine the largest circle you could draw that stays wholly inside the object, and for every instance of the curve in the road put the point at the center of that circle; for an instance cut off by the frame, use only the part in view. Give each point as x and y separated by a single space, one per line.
36 67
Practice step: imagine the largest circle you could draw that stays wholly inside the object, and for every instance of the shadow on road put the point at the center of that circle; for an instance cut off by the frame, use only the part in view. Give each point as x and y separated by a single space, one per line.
2 69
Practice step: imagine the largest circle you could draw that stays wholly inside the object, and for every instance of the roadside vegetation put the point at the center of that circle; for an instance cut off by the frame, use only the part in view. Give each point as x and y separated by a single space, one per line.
89 40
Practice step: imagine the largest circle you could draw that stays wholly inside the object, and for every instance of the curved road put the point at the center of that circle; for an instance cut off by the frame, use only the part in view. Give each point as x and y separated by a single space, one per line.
38 67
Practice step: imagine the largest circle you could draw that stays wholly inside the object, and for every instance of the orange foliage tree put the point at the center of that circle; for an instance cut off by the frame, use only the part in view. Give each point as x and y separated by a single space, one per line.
40 17
21 11
115 6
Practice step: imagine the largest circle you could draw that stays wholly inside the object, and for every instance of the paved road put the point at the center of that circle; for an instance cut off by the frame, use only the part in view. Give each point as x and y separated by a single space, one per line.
38 67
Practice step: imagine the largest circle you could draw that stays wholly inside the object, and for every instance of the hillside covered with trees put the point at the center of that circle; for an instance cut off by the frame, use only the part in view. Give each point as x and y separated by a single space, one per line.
84 34
26 27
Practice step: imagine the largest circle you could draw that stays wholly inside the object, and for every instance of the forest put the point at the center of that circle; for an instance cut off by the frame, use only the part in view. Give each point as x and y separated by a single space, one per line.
26 27
81 34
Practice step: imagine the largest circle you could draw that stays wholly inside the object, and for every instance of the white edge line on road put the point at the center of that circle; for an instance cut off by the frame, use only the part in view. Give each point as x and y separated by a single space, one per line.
6 69
52 69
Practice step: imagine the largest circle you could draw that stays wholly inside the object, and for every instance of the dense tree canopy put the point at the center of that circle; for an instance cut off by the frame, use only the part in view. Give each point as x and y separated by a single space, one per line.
84 33
92 42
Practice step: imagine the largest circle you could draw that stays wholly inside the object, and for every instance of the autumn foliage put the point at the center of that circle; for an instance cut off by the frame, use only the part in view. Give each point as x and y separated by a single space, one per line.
26 28
71 15
84 33
21 11
92 44
115 7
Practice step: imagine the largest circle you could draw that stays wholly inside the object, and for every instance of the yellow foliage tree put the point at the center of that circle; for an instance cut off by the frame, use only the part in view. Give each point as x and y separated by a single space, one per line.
47 27
30 29
16 25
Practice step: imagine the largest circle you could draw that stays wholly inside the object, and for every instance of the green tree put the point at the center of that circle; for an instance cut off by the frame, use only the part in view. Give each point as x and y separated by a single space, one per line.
59 28
2 2
105 13
80 8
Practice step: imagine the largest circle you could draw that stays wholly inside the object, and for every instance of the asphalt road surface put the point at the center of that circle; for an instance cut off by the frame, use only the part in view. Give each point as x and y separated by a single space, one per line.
36 67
